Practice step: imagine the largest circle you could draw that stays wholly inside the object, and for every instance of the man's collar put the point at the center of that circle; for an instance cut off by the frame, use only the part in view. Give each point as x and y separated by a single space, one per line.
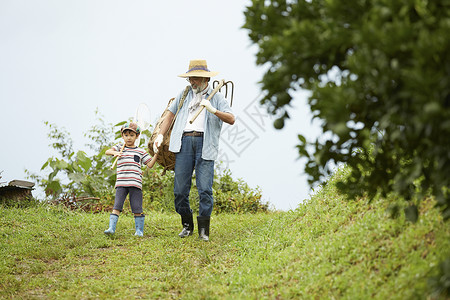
207 90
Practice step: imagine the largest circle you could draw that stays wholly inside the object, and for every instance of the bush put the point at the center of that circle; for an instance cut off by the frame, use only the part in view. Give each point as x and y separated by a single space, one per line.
232 196
80 181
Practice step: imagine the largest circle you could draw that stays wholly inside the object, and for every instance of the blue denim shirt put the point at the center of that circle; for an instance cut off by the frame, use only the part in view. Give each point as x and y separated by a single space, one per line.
213 125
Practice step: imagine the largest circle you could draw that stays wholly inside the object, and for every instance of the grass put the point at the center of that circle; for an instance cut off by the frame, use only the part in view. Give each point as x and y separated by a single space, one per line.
328 248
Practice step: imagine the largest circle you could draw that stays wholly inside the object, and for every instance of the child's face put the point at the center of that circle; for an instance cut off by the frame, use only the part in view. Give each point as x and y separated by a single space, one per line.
129 137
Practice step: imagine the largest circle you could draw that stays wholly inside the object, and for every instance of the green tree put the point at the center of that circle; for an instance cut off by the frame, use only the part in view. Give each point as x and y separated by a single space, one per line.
379 76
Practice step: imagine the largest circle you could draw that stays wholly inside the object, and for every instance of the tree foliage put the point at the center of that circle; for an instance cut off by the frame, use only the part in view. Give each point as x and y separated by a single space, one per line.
379 76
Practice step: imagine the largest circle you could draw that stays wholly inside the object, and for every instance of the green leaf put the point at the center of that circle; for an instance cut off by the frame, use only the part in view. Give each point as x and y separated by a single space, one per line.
52 175
278 123
62 165
46 163
302 139
53 188
120 123
83 160
77 177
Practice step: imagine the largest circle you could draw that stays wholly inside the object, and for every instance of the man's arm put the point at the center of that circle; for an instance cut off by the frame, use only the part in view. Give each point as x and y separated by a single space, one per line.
224 116
166 123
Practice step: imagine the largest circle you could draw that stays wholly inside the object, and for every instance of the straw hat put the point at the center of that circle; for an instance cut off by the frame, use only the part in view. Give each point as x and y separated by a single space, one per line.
198 68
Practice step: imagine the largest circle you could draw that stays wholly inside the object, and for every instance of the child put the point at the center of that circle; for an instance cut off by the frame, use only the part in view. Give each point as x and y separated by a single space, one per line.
129 177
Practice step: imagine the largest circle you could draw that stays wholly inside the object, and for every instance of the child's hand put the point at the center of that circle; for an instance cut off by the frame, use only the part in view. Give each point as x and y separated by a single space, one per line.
151 163
114 153
117 153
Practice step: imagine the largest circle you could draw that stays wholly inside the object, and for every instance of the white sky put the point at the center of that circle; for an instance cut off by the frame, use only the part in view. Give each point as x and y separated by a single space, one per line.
60 60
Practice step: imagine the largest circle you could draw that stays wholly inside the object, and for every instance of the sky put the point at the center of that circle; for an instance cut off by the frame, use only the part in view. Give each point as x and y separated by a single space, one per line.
60 61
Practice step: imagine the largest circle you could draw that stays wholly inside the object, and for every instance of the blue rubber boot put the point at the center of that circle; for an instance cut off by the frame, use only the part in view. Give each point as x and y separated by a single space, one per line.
139 222
112 224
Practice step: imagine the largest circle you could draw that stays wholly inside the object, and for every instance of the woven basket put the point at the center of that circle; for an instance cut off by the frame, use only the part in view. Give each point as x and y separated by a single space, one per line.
165 157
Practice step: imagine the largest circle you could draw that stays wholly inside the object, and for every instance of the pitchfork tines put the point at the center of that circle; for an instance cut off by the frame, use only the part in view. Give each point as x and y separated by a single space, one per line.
216 82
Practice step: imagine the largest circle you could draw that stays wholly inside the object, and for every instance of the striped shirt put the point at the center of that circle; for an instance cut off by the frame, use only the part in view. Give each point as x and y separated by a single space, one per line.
129 166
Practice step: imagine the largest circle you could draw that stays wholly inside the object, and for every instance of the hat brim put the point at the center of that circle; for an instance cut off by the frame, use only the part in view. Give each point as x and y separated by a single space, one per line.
199 73
123 129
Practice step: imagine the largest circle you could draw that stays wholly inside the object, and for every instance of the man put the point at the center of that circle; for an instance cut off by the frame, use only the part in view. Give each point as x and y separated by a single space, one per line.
196 145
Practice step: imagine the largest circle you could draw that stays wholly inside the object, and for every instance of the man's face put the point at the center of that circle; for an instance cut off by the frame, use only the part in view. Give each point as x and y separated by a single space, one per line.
198 84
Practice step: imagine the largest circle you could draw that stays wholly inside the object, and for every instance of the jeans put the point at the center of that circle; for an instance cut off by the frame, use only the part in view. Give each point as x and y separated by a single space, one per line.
190 157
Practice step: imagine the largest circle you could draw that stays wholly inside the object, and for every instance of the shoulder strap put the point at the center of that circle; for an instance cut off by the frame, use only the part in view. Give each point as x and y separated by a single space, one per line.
186 91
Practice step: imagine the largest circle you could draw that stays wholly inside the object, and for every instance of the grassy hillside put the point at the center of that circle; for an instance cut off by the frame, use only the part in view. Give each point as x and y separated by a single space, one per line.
327 248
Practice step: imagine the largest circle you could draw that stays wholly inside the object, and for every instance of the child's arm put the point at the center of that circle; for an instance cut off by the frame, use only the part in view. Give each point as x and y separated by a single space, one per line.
113 152
152 161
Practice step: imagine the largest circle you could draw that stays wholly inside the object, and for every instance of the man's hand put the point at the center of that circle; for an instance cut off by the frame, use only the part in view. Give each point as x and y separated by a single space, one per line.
208 106
158 142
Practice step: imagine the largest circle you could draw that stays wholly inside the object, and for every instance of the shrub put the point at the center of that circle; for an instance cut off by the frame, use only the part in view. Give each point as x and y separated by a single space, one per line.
80 181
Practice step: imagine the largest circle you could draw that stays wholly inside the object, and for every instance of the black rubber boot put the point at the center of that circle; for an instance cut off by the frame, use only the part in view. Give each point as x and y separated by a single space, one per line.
203 228
188 226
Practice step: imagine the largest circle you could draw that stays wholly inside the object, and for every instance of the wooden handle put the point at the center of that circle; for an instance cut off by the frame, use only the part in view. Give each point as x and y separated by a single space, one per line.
117 158
216 89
